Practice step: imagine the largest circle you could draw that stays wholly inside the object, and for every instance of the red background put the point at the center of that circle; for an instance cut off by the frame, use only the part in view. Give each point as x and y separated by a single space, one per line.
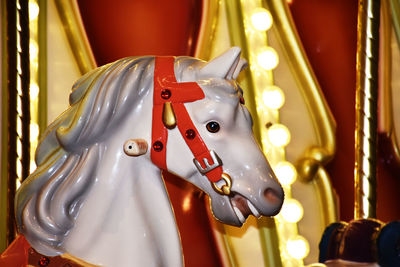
329 37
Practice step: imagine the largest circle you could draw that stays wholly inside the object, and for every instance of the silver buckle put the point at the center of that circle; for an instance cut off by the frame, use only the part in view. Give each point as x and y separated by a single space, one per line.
217 162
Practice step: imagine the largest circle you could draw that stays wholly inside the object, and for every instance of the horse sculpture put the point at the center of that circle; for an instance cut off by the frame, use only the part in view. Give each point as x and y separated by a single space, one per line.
97 193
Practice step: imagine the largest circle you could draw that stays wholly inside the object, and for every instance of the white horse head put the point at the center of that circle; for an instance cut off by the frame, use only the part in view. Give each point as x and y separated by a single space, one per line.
91 197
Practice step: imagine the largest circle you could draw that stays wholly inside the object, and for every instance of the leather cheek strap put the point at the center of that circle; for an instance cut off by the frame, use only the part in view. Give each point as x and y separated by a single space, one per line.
167 89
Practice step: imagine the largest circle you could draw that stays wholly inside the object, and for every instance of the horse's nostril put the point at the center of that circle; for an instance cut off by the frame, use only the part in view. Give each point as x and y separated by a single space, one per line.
272 196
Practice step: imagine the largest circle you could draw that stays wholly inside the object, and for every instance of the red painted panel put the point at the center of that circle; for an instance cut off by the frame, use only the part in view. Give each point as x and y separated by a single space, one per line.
330 38
124 28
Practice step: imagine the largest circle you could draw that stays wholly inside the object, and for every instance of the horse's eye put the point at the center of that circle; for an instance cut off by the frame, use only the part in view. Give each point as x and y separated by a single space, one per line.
213 126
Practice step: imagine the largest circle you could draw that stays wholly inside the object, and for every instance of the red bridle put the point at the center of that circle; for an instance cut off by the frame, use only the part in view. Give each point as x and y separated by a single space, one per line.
168 93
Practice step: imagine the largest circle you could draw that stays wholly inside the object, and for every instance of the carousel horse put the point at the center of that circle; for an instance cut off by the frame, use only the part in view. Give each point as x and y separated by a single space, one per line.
97 193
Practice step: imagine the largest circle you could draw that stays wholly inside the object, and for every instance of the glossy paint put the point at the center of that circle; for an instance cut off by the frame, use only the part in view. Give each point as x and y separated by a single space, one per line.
88 198
137 28
329 39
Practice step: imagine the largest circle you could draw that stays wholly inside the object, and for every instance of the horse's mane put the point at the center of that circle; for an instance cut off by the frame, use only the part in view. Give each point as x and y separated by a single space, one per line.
48 201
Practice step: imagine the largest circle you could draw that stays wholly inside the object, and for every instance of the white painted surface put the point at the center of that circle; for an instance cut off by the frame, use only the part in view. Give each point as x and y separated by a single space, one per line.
91 200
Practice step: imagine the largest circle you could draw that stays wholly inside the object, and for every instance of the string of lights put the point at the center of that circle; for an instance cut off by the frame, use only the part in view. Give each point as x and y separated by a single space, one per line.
275 136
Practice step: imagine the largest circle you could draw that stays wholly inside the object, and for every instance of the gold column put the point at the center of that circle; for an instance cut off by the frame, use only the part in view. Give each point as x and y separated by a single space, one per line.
75 32
16 110
395 10
366 108
4 137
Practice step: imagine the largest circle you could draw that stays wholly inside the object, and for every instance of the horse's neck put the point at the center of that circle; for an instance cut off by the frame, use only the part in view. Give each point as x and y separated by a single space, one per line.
126 220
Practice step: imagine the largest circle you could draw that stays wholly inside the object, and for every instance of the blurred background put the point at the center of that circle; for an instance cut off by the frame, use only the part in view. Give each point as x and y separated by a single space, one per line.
300 88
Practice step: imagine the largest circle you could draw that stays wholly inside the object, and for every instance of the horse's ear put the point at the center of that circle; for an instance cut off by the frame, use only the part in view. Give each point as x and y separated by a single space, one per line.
240 66
227 66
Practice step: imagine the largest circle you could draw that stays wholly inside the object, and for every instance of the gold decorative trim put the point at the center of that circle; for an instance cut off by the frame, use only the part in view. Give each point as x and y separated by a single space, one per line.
310 165
77 260
16 105
386 119
238 38
321 116
209 21
269 241
326 197
267 227
395 8
366 109
42 73
4 133
68 11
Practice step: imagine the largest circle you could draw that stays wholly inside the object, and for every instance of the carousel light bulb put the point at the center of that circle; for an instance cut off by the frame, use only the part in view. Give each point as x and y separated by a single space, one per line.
278 135
17 183
19 168
292 211
33 90
34 132
286 173
33 10
298 247
32 166
19 126
19 148
273 97
268 58
261 19
33 50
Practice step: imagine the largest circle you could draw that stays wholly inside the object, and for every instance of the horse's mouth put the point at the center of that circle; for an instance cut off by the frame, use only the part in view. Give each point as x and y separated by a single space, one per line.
243 207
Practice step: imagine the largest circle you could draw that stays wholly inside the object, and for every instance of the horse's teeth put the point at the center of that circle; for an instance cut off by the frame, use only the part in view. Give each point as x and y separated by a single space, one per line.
253 209
239 214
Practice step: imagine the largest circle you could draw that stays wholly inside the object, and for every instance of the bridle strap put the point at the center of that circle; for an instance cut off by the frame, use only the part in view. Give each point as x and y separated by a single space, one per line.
167 89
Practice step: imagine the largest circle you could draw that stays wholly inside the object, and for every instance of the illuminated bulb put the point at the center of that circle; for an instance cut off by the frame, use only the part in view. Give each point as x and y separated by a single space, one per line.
292 211
33 10
261 19
34 132
34 64
19 169
268 58
33 50
33 90
298 247
19 125
273 97
18 183
278 135
32 166
285 172
19 148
